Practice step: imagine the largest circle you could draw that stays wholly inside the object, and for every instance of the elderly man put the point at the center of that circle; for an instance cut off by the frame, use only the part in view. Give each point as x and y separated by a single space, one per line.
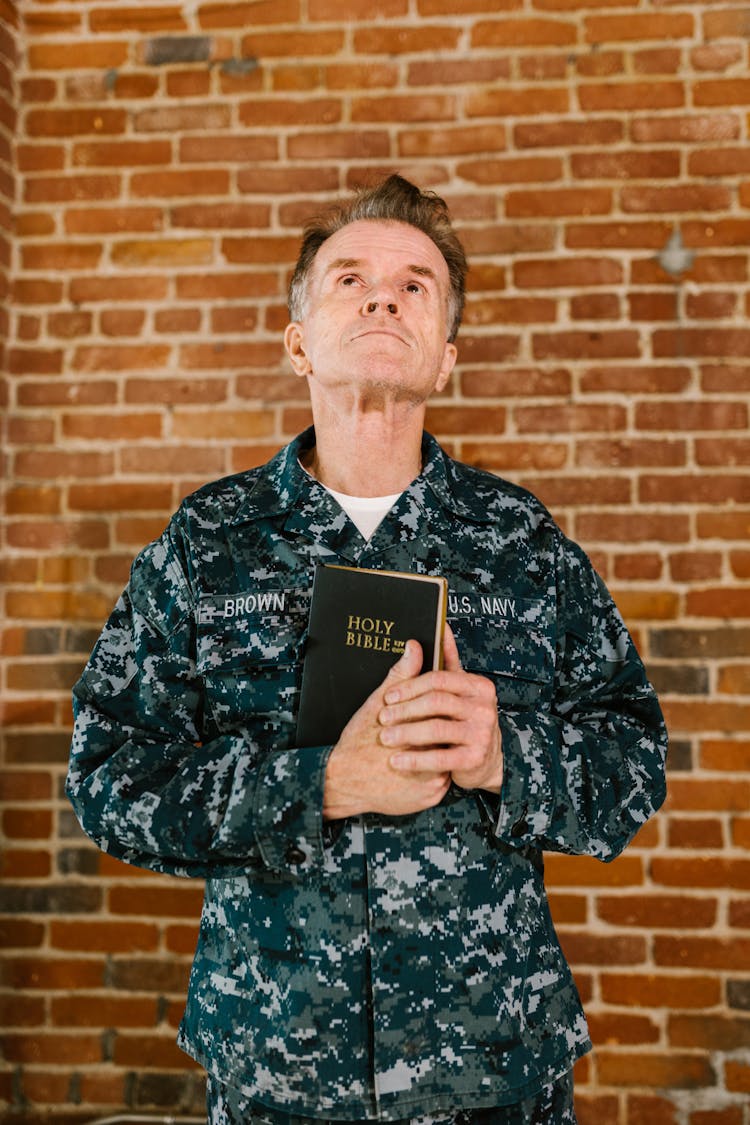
375 941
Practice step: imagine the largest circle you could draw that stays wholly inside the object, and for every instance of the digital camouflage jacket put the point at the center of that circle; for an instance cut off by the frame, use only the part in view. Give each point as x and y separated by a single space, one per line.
372 967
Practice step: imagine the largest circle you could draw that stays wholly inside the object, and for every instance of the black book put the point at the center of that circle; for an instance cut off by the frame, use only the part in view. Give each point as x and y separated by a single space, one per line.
360 621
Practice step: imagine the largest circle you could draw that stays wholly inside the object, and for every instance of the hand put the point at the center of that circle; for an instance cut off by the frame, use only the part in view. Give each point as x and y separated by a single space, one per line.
445 721
360 776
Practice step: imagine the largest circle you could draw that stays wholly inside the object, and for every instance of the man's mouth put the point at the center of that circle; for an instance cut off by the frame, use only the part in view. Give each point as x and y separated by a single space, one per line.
381 332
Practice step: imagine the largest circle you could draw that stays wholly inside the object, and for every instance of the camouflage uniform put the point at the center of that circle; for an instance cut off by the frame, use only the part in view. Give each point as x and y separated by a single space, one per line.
375 967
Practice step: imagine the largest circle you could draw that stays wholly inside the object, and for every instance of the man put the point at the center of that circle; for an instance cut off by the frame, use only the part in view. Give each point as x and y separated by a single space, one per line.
375 940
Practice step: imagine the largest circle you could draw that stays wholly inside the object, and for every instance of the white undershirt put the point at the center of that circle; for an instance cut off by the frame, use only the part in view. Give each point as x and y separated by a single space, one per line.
365 512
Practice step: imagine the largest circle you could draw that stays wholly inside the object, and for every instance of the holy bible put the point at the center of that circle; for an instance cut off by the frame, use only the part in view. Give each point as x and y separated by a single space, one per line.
360 621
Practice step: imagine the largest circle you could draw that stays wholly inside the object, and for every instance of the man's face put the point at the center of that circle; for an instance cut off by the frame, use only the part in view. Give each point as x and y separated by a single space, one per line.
376 315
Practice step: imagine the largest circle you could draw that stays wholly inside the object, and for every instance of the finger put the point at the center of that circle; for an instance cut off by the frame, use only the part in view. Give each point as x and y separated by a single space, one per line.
432 704
455 682
428 732
451 659
425 761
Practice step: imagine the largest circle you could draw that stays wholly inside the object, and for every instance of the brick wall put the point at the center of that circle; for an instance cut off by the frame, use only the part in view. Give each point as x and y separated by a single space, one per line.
166 155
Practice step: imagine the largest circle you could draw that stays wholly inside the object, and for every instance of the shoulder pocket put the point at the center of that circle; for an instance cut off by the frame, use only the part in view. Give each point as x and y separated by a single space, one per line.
250 658
518 659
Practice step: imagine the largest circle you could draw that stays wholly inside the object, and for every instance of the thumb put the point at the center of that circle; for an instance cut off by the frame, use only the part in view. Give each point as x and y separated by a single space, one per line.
451 659
408 665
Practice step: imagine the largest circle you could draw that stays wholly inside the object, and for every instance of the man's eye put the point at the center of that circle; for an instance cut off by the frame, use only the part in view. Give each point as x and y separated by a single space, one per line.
350 279
414 287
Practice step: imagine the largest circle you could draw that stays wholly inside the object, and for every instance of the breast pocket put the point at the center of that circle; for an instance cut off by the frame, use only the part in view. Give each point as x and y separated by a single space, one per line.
251 668
518 659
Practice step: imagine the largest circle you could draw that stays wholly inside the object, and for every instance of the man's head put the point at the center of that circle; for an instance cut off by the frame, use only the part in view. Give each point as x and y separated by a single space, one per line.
393 200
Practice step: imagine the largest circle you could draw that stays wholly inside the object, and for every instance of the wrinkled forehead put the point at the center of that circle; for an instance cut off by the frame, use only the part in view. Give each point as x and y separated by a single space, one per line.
380 244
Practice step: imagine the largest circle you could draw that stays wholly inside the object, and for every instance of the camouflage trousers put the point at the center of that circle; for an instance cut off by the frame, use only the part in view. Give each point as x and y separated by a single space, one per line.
553 1105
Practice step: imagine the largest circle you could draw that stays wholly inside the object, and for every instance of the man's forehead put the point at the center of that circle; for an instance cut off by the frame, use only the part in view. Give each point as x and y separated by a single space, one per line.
373 240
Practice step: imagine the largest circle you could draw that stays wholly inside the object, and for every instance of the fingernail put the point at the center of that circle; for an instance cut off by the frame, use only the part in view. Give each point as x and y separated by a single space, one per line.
391 696
386 736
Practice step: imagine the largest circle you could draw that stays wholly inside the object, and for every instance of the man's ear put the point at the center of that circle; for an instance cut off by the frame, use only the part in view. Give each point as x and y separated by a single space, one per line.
294 342
449 362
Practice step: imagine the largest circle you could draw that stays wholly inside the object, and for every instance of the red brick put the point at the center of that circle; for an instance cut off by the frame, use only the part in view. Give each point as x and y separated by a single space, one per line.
616 235
510 102
675 1070
62 464
583 948
395 40
722 91
644 1109
737 1075
75 122
56 535
597 97
567 134
160 901
175 119
356 77
64 393
558 202
725 754
219 424
221 14
692 566
120 357
691 415
651 990
633 527
510 310
732 1115
113 220
713 1033
658 911
638 26
105 497
174 461
740 563
225 149
656 60
719 602
708 716
292 111
607 1030
693 489
99 54
171 391
362 143
715 56
46 1086
104 936
674 199
207 357
59 1049
638 565
448 71
566 272
37 500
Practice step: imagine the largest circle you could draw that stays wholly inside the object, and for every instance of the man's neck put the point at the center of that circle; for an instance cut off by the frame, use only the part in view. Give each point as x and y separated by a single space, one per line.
366 455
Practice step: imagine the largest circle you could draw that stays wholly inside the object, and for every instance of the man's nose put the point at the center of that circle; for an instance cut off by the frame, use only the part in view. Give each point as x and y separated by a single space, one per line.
373 304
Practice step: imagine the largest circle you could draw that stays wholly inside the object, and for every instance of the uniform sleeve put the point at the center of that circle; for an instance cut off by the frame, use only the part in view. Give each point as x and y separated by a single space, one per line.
143 783
585 775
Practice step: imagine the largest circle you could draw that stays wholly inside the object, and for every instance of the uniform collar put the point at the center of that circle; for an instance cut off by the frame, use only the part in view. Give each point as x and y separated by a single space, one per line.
282 484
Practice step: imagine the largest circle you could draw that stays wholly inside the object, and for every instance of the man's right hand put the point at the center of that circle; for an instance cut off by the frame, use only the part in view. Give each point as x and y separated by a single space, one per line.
359 776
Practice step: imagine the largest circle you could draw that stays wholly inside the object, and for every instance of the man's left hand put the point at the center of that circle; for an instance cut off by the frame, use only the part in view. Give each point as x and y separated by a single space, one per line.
445 721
